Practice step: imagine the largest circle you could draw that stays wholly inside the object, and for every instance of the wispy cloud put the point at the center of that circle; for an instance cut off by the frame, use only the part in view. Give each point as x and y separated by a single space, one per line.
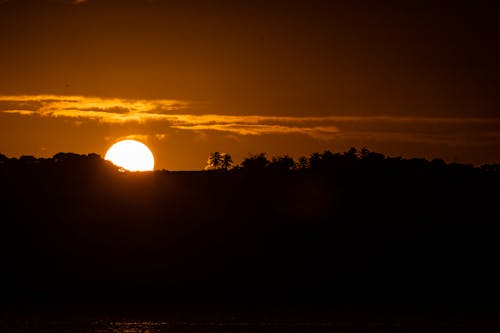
179 115
115 110
111 110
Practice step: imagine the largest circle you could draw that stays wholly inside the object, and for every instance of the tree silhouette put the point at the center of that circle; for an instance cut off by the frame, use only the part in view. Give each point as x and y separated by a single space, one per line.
314 160
255 162
65 157
302 162
367 155
226 161
214 160
351 154
282 163
218 161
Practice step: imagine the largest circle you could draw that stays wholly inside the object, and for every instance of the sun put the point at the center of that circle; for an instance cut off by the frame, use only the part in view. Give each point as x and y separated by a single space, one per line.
131 155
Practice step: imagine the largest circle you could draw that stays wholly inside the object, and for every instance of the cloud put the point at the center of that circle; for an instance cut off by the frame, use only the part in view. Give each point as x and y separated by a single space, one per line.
261 129
114 110
179 115
108 110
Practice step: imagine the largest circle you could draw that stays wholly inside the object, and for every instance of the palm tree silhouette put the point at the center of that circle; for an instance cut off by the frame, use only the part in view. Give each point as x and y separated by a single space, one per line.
215 160
226 162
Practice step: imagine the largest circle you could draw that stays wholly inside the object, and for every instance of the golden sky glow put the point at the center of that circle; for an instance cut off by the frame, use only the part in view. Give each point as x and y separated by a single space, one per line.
160 120
119 111
248 77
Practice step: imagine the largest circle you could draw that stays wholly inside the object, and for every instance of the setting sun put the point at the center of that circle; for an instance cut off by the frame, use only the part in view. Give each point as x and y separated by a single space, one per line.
131 155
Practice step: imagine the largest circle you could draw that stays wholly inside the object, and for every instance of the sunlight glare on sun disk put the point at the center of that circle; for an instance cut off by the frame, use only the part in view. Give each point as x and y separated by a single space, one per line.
131 155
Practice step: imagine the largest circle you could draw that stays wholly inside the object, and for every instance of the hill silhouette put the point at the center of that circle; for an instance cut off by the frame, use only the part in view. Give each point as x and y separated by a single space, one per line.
329 228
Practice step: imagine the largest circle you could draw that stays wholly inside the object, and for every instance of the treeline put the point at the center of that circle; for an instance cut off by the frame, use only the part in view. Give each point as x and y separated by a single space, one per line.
59 159
334 161
257 162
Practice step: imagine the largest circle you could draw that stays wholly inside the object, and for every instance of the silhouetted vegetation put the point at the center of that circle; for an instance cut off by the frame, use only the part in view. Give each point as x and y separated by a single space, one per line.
330 227
255 162
218 160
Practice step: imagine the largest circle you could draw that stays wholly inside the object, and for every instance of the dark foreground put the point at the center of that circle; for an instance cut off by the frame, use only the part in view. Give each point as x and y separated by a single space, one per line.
272 319
345 230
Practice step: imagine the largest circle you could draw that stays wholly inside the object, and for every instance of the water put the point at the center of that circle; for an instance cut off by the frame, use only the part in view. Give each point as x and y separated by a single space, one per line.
135 326
138 326
116 319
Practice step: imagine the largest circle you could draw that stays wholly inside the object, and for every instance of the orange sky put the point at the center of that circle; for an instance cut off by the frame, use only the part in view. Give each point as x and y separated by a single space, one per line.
190 77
